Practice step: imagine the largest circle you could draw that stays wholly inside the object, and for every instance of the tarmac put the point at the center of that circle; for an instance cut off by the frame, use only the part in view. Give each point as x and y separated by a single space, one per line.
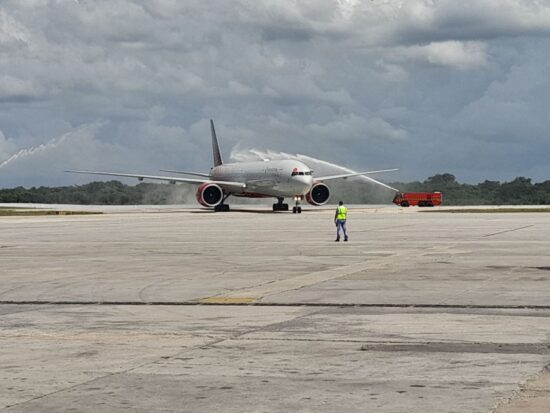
185 310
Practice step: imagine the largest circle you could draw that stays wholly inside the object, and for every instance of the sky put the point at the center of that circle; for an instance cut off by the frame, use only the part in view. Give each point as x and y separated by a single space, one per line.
426 86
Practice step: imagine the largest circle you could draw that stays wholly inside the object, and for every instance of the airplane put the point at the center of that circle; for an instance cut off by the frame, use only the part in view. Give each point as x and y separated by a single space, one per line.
278 179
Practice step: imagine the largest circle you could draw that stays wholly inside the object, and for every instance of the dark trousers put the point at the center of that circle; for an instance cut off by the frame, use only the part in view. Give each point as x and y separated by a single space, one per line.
341 224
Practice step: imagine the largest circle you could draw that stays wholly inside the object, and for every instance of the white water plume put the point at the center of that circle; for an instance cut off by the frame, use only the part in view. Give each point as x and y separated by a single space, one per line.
26 153
43 164
319 166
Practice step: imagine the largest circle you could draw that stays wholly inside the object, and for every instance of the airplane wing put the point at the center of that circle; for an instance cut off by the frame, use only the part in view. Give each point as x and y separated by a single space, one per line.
170 179
185 173
362 175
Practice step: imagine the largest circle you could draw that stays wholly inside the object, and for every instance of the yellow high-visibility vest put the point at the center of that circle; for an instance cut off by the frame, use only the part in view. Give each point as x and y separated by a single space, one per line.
341 213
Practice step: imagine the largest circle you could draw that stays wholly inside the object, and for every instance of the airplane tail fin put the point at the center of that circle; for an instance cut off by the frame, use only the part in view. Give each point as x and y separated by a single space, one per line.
215 147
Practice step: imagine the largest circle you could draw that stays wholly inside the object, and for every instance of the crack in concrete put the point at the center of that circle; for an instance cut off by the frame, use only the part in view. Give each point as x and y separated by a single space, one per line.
508 230
461 347
156 360
276 304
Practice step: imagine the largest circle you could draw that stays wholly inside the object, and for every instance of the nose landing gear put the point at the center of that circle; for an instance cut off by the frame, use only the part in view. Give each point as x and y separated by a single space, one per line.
297 209
280 206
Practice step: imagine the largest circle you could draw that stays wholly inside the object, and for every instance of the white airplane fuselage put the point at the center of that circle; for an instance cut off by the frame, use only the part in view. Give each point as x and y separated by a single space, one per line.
279 179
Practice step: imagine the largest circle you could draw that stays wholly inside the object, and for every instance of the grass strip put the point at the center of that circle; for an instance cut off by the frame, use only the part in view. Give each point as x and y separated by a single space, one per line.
8 212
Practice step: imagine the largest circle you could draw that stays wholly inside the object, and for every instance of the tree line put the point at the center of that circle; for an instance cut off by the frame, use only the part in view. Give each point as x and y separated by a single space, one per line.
520 191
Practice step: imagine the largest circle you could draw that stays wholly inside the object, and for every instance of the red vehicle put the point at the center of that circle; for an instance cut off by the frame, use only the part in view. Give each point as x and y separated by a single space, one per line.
421 199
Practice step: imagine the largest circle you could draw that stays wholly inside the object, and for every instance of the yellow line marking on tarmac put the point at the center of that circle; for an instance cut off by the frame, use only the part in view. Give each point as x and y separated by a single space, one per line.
227 300
301 281
261 292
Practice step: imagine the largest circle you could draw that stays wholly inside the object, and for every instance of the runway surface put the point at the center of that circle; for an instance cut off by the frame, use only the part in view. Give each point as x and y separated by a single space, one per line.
177 309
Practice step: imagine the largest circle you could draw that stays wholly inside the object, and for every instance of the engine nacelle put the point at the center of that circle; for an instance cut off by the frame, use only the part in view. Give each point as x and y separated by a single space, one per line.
318 195
209 195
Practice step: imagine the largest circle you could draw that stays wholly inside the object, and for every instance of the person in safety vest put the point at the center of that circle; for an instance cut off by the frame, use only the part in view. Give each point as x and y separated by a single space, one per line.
340 221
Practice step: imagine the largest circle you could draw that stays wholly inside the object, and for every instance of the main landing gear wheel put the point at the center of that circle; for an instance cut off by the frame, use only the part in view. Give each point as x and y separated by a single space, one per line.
279 206
221 208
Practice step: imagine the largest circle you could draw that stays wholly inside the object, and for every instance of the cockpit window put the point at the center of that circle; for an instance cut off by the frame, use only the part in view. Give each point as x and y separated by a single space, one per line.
297 172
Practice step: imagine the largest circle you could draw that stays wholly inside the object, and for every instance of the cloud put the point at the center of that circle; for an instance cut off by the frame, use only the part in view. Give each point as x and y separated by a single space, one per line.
427 21
359 83
17 90
511 109
6 147
354 127
13 34
453 54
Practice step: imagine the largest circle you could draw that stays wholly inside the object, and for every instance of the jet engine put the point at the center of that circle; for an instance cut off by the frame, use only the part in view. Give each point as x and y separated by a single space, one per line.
209 195
318 195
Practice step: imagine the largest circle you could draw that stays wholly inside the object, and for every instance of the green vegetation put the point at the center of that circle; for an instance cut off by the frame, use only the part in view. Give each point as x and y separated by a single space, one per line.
520 191
95 193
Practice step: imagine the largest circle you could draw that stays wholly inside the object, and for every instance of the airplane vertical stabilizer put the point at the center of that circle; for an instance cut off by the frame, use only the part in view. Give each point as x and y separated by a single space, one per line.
215 147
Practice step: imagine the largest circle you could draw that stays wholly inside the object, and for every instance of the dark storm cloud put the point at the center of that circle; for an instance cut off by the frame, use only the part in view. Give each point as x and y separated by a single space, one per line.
473 20
425 85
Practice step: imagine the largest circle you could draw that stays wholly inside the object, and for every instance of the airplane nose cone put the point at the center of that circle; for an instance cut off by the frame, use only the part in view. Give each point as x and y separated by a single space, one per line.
304 182
303 179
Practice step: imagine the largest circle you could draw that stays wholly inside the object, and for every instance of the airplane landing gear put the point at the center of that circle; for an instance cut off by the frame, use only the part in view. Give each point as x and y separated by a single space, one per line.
297 209
222 206
279 206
